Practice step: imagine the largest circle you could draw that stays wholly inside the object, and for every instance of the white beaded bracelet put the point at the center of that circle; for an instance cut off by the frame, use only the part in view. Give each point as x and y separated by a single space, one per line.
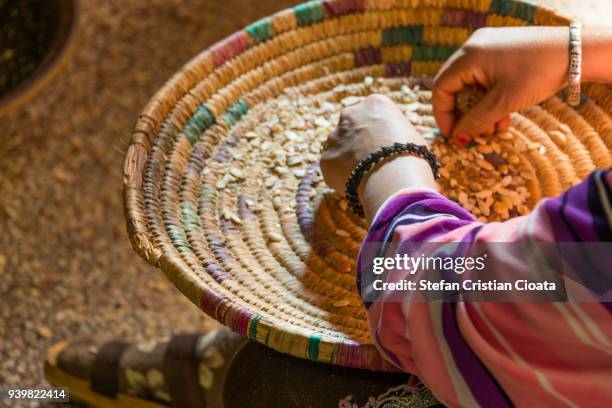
575 64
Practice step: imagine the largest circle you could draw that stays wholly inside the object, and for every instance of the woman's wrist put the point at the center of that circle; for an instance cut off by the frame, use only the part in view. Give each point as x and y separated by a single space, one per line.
390 176
554 52
596 54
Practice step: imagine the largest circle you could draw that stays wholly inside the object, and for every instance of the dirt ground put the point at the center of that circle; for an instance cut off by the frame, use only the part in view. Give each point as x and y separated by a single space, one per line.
66 266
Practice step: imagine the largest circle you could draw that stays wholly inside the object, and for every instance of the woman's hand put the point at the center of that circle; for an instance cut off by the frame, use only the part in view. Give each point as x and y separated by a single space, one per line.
363 129
515 66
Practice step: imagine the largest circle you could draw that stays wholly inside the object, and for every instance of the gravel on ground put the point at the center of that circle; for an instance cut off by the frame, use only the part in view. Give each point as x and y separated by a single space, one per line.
67 269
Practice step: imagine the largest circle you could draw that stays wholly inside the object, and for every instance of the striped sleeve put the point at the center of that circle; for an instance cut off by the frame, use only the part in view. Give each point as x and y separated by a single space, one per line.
499 354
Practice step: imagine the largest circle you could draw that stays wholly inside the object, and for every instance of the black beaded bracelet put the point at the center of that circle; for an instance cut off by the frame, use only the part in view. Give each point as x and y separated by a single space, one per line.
366 164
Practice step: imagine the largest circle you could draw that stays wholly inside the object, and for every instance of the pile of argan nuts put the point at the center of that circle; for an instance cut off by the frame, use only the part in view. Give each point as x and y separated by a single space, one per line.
482 179
483 176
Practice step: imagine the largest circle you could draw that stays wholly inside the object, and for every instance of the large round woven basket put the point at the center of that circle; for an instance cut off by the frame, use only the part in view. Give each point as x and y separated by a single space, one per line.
221 184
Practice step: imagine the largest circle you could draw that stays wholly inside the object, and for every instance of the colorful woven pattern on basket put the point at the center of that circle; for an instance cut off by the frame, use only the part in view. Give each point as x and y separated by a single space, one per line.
222 189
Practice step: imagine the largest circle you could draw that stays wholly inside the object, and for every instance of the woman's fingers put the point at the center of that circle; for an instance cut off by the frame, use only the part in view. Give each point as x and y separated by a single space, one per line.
482 118
451 78
503 124
444 117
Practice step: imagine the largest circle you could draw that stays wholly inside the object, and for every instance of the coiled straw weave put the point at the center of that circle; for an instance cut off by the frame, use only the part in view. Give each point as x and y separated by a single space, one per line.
221 185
